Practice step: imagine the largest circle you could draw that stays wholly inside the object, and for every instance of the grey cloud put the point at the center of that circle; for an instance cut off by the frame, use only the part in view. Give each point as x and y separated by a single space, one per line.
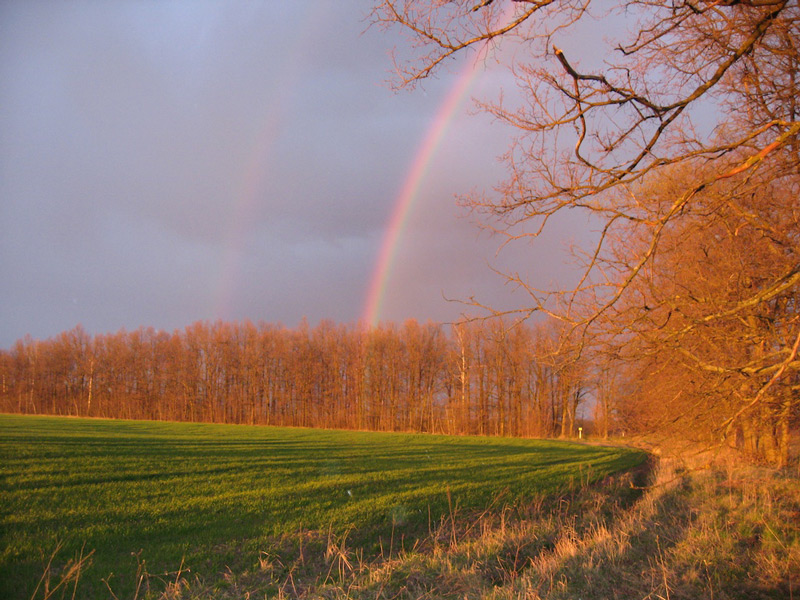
166 162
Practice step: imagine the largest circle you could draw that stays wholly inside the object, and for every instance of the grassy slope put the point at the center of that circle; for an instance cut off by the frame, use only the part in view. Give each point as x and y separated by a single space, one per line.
216 495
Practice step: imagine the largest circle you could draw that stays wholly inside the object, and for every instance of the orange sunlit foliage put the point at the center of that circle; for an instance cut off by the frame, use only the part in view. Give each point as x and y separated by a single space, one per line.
680 143
474 378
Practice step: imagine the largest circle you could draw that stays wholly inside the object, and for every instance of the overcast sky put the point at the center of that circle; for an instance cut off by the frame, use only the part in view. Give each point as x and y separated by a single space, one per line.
168 162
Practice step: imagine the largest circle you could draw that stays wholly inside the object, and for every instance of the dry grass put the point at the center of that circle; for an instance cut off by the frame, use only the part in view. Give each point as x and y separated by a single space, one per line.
690 526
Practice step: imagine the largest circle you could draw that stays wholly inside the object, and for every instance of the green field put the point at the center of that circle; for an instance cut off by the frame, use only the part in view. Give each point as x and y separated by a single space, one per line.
214 495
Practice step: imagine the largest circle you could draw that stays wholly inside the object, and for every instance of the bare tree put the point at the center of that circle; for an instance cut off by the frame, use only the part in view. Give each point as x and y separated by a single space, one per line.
693 110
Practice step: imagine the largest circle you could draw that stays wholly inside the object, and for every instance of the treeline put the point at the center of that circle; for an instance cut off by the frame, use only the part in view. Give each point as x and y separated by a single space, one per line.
483 377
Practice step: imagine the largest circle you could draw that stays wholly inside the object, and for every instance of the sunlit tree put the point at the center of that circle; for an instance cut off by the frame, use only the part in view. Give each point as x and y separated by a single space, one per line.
686 121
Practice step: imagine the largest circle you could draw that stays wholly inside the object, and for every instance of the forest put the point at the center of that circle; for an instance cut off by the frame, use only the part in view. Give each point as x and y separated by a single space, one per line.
481 377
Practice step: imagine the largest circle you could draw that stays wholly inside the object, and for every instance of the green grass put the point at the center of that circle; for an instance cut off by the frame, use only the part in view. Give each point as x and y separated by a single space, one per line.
212 495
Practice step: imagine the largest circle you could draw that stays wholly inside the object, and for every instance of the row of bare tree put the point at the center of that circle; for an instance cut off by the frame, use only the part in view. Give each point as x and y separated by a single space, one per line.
481 377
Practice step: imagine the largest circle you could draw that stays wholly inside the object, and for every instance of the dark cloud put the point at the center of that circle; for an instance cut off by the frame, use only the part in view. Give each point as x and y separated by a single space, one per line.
166 162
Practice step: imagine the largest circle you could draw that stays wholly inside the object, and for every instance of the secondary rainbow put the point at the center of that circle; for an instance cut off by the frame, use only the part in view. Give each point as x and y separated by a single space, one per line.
236 229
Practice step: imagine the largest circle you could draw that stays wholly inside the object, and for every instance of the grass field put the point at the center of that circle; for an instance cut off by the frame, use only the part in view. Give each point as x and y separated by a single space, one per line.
153 495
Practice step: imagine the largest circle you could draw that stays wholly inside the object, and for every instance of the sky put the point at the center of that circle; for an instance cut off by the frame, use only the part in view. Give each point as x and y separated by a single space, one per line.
168 162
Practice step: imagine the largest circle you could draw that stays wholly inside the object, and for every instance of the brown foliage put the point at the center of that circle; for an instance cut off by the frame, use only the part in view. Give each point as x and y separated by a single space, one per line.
480 377
684 148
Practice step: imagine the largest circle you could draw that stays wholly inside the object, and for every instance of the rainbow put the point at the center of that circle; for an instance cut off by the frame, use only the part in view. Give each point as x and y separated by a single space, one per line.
242 214
410 190
256 169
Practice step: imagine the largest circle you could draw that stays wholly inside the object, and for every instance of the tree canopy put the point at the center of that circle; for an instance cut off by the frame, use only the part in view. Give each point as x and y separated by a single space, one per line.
682 147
